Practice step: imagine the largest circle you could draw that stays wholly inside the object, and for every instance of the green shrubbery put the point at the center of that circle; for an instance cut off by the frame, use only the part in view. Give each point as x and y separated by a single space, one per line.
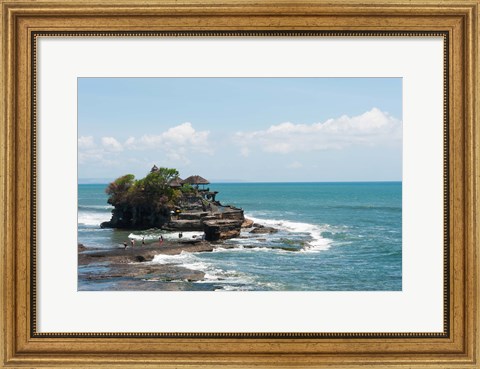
187 188
153 189
146 201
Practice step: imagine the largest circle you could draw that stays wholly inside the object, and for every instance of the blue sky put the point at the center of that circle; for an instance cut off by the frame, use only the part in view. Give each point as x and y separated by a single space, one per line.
248 129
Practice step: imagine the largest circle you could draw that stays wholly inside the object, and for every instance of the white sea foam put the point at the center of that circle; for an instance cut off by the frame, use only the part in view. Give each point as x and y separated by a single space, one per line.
212 274
92 218
155 234
248 240
186 259
242 248
318 242
96 207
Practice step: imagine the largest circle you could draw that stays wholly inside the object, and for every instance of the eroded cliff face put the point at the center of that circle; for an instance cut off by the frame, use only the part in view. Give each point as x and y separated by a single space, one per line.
137 217
222 229
218 222
192 213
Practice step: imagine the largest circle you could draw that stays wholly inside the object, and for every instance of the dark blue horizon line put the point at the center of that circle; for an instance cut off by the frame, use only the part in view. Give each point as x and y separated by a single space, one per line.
302 182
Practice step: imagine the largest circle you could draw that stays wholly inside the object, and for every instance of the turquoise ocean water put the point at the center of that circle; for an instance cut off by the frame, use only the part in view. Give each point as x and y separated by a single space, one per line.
345 237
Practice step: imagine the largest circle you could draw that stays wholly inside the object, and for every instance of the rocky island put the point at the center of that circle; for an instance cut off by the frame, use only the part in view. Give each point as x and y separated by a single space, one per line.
163 200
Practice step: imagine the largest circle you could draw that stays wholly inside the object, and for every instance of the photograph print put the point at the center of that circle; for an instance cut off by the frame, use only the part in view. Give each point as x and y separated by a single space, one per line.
240 184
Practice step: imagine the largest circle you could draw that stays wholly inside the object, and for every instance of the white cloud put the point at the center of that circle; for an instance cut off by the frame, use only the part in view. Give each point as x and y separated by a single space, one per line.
372 128
130 142
85 156
88 151
177 142
111 144
85 142
185 134
181 136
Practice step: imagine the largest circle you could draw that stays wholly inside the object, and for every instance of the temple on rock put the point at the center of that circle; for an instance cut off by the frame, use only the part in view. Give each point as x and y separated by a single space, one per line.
196 181
193 208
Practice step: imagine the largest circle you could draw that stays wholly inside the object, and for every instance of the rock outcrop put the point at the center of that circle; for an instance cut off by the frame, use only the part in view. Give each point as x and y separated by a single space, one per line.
221 222
137 217
184 225
247 223
193 213
263 230
221 229
128 269
141 253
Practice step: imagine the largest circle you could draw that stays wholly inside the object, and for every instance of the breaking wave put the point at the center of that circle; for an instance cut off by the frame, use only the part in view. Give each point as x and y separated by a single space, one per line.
155 234
230 280
93 218
317 243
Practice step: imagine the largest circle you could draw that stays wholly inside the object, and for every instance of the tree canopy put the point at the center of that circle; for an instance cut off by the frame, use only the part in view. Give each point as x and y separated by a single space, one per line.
152 190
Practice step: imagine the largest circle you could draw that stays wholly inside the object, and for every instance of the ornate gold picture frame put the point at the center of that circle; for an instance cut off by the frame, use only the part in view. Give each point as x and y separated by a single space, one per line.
25 21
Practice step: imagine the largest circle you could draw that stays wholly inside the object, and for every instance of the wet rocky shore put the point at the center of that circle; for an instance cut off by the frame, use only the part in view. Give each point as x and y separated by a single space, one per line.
131 268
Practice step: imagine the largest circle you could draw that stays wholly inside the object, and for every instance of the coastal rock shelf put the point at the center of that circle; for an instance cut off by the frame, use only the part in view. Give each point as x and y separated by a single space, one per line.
221 223
263 230
138 253
132 269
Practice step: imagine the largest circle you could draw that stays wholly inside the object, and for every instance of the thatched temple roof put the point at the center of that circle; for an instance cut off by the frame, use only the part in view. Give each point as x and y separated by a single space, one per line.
176 182
196 180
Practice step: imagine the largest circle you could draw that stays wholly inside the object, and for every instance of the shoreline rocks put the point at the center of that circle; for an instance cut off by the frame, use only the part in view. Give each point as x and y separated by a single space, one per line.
187 225
217 221
247 223
130 269
259 229
140 253
222 229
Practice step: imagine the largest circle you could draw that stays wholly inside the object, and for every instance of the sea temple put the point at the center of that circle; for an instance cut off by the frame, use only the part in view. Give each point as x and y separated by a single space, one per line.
163 200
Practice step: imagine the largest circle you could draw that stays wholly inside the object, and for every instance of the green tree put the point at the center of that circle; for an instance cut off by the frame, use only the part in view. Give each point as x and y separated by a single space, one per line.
187 188
153 190
156 183
119 189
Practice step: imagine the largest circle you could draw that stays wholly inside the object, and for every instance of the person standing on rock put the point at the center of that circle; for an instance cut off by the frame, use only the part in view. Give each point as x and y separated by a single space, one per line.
132 242
143 241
